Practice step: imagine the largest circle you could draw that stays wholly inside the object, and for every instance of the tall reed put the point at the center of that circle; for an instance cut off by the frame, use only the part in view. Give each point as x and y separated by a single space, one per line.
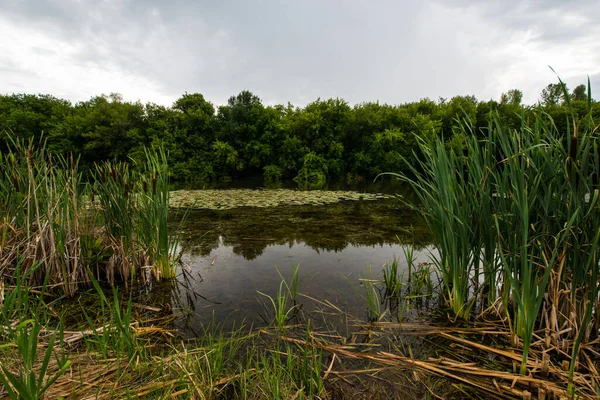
152 214
445 206
50 218
114 189
524 205
41 205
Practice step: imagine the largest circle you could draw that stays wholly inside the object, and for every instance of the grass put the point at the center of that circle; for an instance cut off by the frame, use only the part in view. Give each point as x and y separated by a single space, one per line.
284 302
111 355
514 215
60 227
391 280
518 210
111 347
32 381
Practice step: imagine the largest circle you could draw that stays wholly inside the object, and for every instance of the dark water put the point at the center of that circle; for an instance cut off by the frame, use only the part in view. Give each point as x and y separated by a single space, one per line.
231 255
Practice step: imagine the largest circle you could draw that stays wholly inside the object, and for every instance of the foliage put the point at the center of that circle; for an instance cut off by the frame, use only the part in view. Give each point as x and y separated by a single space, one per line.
55 226
272 174
313 172
32 382
246 137
524 204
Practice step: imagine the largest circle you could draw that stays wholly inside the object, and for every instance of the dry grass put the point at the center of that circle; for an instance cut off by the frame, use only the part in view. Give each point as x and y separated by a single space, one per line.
350 370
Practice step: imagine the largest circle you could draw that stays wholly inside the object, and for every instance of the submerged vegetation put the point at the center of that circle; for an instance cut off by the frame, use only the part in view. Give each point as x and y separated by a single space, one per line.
326 229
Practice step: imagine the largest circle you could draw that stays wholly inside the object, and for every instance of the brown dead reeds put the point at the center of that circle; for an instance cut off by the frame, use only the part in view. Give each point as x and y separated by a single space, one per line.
61 228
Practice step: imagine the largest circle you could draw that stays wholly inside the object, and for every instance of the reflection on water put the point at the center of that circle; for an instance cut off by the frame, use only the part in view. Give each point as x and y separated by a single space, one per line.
250 230
232 254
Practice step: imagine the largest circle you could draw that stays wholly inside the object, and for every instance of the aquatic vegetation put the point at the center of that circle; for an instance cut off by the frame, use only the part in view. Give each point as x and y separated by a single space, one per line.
152 215
524 204
383 359
521 209
372 298
59 227
233 198
282 306
442 194
421 282
391 280
113 189
330 227
43 215
284 301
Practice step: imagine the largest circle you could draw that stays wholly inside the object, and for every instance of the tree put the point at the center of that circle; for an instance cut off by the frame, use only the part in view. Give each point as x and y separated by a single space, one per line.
579 93
552 95
462 107
326 139
31 116
513 96
188 129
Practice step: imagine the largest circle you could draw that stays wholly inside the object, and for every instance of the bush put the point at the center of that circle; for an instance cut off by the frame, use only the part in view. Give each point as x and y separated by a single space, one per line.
272 174
313 172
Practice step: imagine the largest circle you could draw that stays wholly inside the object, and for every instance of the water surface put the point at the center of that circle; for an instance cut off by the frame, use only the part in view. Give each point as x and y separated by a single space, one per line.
231 255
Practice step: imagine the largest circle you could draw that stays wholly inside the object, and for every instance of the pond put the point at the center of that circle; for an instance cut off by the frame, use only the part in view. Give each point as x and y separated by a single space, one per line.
230 254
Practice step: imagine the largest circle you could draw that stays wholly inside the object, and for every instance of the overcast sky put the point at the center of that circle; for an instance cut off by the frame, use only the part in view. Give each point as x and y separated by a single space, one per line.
297 51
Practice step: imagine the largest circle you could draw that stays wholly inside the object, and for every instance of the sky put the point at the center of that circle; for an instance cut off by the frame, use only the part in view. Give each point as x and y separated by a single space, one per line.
296 51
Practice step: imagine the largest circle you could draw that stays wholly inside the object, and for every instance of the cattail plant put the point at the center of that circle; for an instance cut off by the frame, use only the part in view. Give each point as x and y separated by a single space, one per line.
447 209
71 230
152 214
525 205
40 200
117 207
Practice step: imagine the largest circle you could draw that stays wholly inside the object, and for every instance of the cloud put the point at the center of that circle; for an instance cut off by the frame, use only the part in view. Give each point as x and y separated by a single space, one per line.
43 61
519 40
295 51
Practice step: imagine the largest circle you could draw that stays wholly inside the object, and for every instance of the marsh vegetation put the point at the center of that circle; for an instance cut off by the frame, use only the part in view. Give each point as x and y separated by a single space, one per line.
480 282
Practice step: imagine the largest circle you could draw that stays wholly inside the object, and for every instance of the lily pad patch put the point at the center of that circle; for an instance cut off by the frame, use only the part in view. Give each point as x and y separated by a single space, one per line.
233 198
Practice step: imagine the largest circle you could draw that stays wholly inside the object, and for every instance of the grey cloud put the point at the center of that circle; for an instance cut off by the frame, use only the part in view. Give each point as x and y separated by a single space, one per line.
297 51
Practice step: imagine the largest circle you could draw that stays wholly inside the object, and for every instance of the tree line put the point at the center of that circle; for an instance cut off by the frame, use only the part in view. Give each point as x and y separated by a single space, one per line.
326 139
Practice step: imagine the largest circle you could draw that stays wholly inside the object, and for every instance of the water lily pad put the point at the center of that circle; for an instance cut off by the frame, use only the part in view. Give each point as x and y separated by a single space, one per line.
233 198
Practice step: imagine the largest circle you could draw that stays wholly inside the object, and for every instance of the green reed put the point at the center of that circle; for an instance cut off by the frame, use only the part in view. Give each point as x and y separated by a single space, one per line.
114 190
519 210
284 302
443 193
41 207
51 218
152 213
391 280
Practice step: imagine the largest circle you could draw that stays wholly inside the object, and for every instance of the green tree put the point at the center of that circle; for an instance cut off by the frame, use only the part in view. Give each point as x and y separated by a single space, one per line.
552 95
31 116
188 132
513 96
313 172
579 93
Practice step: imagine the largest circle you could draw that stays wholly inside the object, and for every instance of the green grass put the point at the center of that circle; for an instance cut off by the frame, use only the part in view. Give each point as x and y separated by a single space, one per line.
391 279
32 381
517 210
283 303
59 226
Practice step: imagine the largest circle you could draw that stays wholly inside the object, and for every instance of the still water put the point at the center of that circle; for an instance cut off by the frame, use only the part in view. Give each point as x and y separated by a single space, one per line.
230 256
